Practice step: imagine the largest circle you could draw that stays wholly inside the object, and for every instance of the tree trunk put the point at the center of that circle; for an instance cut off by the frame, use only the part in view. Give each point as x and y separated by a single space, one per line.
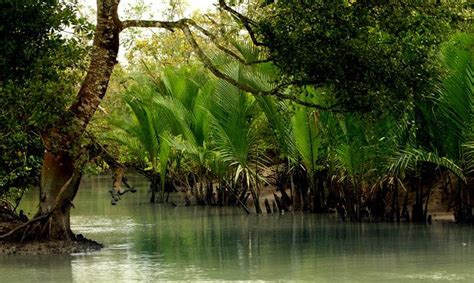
417 211
405 213
267 207
153 192
397 203
321 177
60 176
59 185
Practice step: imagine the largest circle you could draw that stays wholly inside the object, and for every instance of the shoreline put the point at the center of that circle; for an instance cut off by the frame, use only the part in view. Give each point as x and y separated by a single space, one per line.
49 247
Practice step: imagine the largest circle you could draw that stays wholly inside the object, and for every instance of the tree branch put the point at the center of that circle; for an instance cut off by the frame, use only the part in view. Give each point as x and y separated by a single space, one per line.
245 21
100 150
184 25
42 216
214 70
214 40
224 49
171 26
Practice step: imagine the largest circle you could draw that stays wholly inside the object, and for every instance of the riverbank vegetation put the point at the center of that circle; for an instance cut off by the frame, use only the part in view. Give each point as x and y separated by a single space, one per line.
360 108
365 147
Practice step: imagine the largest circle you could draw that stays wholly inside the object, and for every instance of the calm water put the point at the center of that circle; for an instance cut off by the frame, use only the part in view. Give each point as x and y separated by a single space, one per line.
151 243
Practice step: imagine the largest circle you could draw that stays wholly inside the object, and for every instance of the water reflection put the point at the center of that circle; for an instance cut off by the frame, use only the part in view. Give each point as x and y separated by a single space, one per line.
152 242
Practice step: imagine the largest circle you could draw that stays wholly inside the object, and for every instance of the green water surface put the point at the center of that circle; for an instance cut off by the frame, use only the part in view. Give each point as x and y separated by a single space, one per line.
145 242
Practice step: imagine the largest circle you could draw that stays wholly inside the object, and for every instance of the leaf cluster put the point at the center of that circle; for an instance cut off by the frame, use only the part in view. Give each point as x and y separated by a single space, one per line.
374 55
40 64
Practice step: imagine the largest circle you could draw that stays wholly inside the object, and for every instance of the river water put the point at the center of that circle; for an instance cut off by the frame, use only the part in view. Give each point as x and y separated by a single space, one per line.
145 242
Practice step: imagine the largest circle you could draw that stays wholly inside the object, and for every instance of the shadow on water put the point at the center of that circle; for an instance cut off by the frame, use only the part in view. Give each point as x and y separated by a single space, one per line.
158 242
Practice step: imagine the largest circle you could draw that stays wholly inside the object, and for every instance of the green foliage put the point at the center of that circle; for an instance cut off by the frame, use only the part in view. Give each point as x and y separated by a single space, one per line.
456 99
374 56
232 132
31 40
448 116
161 111
279 116
409 159
207 126
307 139
38 74
371 57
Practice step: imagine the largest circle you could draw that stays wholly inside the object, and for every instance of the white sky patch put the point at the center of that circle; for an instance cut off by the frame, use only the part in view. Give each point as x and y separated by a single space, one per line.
201 5
157 5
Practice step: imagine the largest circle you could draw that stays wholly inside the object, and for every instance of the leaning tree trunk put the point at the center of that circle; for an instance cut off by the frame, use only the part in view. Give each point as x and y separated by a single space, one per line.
60 175
59 185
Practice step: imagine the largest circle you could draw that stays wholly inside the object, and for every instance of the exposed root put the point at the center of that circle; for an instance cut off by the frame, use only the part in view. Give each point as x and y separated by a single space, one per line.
26 239
26 225
42 221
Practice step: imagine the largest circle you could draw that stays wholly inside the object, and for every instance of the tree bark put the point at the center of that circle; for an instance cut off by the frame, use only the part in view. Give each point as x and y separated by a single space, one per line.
58 169
59 166
154 187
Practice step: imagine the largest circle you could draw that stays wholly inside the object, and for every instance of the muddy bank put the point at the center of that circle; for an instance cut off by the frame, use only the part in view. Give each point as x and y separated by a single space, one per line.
79 245
49 247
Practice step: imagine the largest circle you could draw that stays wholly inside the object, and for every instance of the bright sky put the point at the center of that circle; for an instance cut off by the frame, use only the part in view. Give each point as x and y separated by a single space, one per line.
156 5
202 5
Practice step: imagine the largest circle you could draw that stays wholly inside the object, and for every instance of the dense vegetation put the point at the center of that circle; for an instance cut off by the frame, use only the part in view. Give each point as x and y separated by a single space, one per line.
373 140
189 127
362 108
39 70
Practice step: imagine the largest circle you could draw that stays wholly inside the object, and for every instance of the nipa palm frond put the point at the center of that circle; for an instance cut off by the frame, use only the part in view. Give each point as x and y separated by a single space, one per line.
408 160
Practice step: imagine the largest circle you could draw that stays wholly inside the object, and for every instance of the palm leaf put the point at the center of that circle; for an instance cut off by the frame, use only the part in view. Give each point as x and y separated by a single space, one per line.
408 160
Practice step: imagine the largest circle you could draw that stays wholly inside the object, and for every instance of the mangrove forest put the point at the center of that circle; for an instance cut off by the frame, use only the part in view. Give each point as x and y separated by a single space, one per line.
236 140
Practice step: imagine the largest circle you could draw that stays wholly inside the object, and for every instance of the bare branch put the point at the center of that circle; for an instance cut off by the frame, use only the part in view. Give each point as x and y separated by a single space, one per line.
224 49
208 63
275 92
100 150
171 26
18 228
214 40
245 21
184 25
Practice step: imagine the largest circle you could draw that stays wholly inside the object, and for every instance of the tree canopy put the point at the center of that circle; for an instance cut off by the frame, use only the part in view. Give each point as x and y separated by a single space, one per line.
38 74
371 55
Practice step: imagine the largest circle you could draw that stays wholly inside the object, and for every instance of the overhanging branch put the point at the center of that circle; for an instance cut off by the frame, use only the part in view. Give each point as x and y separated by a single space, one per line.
215 41
184 25
224 49
276 92
171 26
